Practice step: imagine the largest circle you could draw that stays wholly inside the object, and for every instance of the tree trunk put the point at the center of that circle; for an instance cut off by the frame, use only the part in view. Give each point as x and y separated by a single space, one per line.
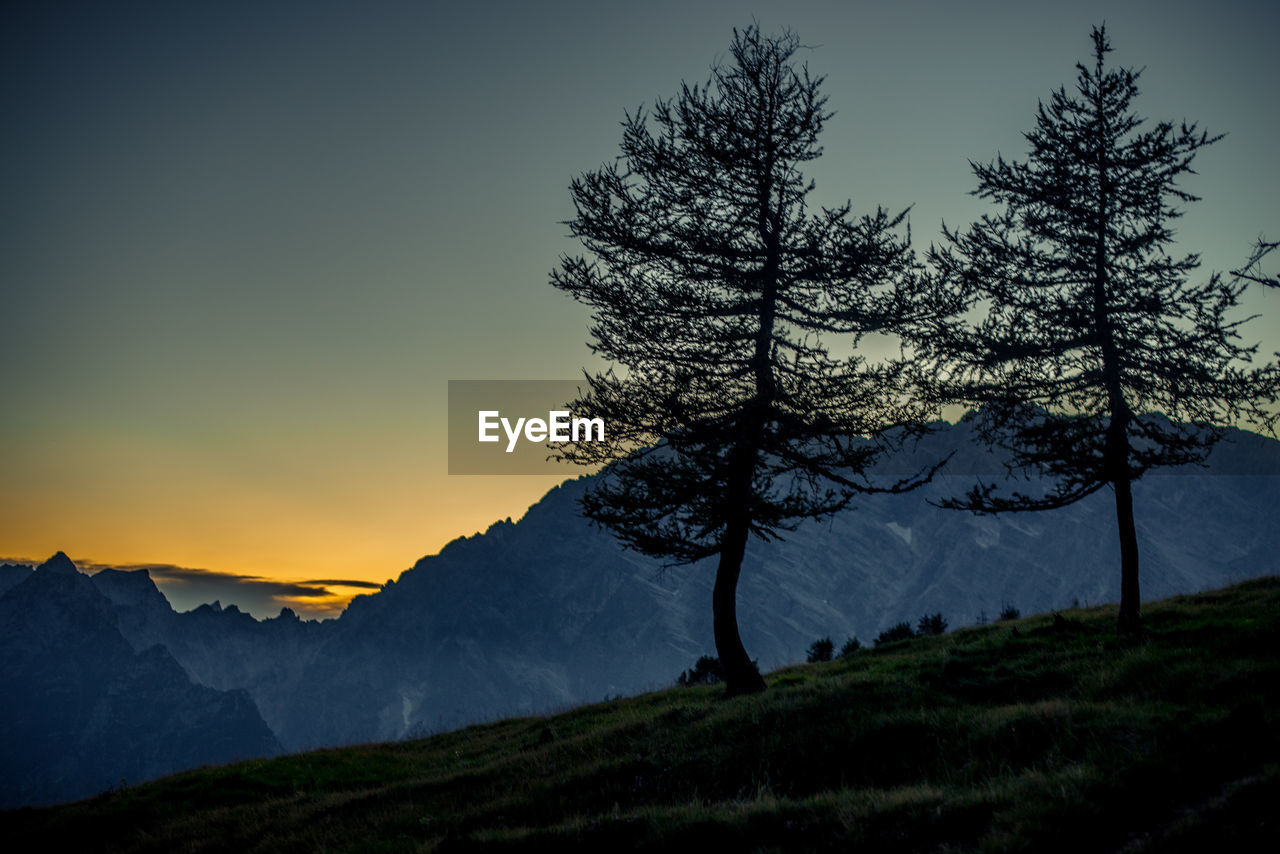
1116 452
740 675
1130 621
1116 460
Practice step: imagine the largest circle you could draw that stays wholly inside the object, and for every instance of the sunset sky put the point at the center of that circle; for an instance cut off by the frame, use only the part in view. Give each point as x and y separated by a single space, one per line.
246 245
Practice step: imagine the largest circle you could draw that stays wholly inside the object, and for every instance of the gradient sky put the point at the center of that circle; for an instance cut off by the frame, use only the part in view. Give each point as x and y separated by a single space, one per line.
246 245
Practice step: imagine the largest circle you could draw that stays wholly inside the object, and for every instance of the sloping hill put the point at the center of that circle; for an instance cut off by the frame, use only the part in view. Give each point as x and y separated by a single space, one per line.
549 611
1039 734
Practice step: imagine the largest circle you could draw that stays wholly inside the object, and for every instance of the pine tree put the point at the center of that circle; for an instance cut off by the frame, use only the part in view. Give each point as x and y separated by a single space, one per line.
712 286
1096 359
820 650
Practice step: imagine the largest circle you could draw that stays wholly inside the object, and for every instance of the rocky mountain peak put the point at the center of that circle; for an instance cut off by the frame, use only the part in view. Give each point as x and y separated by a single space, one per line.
59 564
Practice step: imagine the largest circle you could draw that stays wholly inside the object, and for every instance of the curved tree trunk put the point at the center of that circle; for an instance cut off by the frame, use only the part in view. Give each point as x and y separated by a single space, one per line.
1116 460
1130 621
740 675
1116 452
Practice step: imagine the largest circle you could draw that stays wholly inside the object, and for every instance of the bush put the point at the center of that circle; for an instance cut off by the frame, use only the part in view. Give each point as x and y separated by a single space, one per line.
820 650
931 625
707 671
902 631
1008 612
851 646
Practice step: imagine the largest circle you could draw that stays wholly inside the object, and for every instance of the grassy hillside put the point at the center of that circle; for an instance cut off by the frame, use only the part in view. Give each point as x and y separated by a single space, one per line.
1039 734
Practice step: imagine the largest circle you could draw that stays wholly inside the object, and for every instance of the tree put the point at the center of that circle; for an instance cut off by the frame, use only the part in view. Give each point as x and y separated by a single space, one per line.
712 287
931 624
1094 359
820 650
706 671
898 632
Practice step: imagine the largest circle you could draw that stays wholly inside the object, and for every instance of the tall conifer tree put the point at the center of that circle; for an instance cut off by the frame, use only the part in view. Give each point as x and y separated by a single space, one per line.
1091 332
713 286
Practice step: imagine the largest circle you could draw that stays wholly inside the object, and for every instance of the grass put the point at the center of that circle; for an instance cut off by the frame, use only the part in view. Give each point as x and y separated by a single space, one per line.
1035 734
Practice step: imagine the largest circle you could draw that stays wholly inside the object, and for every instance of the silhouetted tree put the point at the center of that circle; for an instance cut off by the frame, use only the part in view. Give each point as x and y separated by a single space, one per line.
899 632
1091 328
851 646
931 624
821 650
705 671
712 285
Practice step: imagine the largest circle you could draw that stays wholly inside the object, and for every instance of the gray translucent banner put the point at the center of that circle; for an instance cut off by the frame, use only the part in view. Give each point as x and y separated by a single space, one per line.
511 426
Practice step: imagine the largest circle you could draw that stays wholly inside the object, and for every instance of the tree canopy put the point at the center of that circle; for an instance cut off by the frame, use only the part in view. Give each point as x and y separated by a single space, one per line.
1094 357
714 287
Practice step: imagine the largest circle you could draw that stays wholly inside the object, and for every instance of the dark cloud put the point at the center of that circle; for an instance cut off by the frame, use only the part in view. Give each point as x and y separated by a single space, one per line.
189 587
368 585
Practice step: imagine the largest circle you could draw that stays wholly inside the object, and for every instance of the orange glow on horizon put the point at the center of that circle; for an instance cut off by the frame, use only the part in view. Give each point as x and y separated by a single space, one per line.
327 535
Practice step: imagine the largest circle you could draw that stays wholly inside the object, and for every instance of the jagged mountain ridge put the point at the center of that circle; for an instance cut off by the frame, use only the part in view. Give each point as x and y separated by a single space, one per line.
548 611
84 710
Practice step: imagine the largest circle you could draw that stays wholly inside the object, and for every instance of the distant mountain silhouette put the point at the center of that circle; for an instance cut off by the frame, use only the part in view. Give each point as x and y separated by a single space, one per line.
11 574
548 611
83 711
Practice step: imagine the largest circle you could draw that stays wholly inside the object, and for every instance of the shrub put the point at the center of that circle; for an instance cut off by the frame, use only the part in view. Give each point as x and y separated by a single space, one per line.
1008 612
820 650
851 646
707 671
931 624
902 631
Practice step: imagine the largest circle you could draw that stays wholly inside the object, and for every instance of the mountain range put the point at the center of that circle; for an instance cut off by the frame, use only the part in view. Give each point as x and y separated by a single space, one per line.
103 680
85 710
